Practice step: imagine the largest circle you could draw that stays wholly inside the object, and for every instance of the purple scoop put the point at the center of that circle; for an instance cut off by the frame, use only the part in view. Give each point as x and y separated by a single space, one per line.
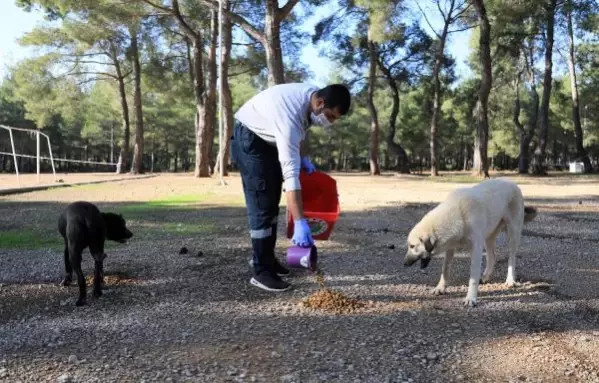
302 257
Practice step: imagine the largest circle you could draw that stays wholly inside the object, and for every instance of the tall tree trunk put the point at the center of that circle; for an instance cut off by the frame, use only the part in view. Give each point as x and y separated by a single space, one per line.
540 167
374 122
481 163
437 100
525 135
403 161
270 37
211 85
123 160
137 166
202 160
580 151
272 34
227 97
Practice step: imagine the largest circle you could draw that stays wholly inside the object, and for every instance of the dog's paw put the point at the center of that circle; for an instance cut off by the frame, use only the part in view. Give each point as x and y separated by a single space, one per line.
484 279
439 290
469 302
97 293
66 282
80 302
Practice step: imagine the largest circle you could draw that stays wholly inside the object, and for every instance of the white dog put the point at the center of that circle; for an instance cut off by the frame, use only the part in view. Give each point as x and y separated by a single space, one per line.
470 219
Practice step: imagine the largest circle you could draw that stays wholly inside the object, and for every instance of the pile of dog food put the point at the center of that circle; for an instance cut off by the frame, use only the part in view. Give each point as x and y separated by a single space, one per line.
331 301
113 280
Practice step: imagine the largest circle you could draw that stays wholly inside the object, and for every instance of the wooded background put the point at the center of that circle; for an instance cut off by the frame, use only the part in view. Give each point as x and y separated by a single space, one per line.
144 74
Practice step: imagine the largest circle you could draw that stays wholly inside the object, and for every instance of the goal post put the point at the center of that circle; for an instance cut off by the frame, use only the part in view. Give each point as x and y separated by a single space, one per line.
38 156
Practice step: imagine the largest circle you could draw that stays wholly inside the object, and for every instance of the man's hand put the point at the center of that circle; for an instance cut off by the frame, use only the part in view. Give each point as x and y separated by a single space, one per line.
302 236
307 165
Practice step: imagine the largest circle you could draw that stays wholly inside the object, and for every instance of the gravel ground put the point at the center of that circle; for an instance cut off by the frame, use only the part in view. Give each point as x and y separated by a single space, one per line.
195 318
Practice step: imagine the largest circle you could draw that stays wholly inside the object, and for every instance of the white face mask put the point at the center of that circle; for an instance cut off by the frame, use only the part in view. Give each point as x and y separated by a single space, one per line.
320 119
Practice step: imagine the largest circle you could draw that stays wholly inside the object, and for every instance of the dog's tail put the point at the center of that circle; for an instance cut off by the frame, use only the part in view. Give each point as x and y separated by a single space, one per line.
529 213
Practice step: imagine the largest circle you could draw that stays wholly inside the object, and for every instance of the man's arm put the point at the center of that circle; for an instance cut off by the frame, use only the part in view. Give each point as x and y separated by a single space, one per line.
294 204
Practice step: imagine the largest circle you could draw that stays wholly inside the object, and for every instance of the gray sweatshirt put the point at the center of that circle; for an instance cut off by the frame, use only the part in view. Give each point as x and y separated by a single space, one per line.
280 115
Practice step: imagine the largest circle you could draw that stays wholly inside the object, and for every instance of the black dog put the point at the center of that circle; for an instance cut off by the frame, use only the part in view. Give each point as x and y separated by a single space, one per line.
82 225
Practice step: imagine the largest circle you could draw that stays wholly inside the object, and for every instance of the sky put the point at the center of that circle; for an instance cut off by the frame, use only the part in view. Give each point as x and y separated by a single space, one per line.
14 22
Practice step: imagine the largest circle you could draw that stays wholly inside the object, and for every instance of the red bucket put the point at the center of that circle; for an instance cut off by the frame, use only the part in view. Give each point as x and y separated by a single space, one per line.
321 204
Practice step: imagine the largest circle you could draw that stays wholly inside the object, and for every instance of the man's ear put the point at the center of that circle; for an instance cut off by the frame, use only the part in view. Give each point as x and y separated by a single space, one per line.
429 244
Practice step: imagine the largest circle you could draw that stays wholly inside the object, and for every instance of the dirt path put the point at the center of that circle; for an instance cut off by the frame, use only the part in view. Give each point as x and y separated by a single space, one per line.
195 318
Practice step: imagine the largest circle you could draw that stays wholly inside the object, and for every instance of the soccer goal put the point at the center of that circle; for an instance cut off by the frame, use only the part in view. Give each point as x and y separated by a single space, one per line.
39 137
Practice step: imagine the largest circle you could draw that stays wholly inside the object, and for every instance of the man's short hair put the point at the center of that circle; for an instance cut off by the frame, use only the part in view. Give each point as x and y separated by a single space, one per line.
336 96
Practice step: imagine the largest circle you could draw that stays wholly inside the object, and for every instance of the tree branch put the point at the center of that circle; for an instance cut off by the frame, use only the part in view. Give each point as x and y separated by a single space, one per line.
285 10
235 18
94 79
440 11
460 13
463 29
427 21
162 8
96 73
242 72
186 28
87 62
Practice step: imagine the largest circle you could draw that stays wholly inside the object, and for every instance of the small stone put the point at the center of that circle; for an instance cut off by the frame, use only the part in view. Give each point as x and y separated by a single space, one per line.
200 254
391 247
275 354
569 373
64 378
3 373
183 250
431 356
73 359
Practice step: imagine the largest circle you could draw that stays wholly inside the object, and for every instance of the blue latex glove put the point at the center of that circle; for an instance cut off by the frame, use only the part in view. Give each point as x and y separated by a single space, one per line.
302 236
307 165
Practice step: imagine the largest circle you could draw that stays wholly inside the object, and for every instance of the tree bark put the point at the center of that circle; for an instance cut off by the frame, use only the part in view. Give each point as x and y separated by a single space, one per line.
525 135
374 122
578 134
481 162
202 160
274 54
540 167
227 97
437 94
123 160
403 161
137 165
211 86
270 37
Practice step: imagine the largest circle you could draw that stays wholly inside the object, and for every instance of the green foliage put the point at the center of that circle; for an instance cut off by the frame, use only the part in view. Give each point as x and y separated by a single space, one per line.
70 88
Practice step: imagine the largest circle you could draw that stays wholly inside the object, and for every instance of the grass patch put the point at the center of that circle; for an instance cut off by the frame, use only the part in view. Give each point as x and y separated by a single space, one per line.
176 202
31 240
177 229
24 239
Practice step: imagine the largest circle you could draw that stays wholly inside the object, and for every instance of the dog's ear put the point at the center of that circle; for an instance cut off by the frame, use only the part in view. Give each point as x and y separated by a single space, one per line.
429 244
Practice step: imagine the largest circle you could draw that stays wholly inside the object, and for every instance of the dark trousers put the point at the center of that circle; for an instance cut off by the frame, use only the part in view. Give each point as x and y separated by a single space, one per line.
262 180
